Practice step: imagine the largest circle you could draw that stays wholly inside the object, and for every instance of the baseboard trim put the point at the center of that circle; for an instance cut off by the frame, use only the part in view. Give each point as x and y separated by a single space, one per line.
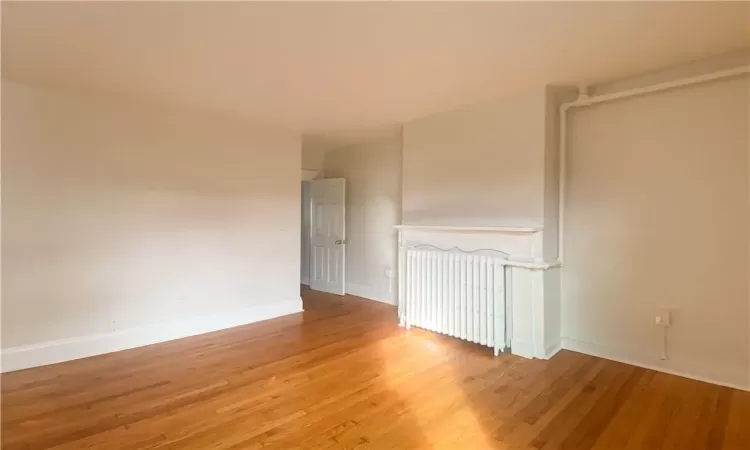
552 350
23 357
611 354
368 292
305 281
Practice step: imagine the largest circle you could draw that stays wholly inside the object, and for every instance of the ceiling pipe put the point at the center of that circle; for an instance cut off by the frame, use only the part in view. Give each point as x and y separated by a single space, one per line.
585 100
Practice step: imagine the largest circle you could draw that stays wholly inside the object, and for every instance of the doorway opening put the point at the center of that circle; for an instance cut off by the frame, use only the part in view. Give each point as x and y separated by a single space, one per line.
323 243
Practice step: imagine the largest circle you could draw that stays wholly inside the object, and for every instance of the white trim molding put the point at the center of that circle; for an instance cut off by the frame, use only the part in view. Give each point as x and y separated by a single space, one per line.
510 230
533 264
549 352
652 363
52 352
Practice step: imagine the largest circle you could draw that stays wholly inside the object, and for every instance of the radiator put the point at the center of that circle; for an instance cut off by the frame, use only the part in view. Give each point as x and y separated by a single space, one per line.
454 293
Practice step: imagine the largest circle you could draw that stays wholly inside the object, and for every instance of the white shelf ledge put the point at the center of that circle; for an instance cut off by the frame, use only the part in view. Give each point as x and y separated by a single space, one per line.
540 265
448 228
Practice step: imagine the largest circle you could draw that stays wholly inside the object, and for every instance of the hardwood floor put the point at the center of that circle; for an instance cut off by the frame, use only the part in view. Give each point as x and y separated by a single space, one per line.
343 375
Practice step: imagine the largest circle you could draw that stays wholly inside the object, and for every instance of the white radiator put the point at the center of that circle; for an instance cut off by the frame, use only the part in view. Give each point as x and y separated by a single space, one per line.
453 293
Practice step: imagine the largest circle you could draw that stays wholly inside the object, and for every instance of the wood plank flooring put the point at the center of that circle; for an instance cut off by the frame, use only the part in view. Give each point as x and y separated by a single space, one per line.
343 375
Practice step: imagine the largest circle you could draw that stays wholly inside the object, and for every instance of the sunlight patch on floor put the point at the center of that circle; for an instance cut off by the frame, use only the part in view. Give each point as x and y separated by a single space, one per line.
456 429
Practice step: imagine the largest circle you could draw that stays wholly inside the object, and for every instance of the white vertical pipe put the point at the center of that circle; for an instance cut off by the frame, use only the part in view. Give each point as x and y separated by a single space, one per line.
442 305
563 133
444 297
463 287
446 293
441 300
482 300
419 258
401 299
470 296
477 300
422 287
451 309
403 285
491 301
410 287
456 297
414 288
478 297
499 319
441 293
472 300
469 318
426 291
480 289
433 291
487 301
431 298
447 290
436 287
417 281
438 291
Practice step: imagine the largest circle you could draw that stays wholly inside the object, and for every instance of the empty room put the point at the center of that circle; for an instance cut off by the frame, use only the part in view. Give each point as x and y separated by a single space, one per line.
385 225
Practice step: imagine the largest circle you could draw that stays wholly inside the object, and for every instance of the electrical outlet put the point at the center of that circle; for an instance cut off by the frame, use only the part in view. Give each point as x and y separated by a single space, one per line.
663 318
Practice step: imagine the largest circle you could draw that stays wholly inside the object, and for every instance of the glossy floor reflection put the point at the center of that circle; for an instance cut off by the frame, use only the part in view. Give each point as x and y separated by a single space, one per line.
343 375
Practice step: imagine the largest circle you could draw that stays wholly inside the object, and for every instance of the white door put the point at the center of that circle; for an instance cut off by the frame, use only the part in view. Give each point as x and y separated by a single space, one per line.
327 235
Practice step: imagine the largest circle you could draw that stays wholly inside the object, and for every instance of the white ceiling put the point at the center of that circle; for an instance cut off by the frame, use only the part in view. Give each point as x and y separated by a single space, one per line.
338 71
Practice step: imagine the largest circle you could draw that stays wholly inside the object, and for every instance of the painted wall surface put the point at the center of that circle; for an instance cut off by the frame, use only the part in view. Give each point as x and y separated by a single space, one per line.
657 216
373 206
482 165
313 158
118 216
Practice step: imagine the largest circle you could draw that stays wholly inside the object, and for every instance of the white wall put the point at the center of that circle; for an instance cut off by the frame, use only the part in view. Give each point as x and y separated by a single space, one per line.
480 165
657 216
373 207
313 158
127 224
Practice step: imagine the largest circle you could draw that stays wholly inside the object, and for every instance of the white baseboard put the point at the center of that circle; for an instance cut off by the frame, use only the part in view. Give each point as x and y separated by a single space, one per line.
368 292
51 352
305 280
624 357
552 350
